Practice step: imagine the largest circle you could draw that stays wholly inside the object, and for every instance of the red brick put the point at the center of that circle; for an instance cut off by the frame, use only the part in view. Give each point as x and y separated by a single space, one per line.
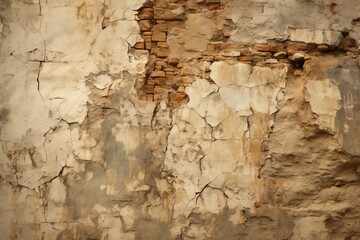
145 25
158 36
157 74
139 45
177 97
262 47
146 13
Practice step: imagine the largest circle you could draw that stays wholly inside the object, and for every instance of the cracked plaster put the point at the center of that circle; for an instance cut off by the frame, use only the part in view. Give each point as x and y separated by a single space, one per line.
258 152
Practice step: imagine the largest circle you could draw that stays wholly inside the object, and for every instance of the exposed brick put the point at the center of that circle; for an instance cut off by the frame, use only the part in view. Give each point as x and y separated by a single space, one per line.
167 14
230 53
161 63
262 54
150 81
173 62
187 80
162 44
169 69
276 47
220 58
148 88
245 51
323 47
145 25
280 55
162 52
160 81
146 13
285 60
209 58
139 45
262 47
150 97
213 6
227 46
245 58
212 1
175 5
148 45
178 97
158 36
161 27
187 71
211 47
209 53
158 97
293 47
346 43
147 38
246 62
159 90
157 74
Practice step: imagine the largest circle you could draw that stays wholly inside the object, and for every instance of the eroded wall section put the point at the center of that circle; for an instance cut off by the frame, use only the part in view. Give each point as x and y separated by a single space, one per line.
175 119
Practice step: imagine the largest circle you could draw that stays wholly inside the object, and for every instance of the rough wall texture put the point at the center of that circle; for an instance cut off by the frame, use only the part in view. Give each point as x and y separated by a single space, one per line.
175 119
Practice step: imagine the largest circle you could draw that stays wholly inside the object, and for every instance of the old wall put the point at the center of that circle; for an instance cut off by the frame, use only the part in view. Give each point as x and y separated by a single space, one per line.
179 119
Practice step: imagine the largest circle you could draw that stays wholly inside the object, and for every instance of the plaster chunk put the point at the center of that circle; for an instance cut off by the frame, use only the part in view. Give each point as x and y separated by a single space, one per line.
64 90
224 74
217 111
21 37
355 33
42 164
190 126
263 99
69 31
138 113
24 123
212 200
240 185
237 98
223 158
265 75
315 36
233 127
110 48
64 3
82 144
321 101
324 98
102 82
124 10
199 90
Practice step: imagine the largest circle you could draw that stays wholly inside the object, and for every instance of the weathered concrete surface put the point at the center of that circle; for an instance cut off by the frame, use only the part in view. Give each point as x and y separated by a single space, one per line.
266 147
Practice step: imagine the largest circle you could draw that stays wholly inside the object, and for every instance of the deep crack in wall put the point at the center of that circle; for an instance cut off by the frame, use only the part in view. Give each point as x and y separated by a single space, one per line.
179 119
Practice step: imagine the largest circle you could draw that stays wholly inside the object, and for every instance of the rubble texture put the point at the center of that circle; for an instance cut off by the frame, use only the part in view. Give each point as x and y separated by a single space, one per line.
179 119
